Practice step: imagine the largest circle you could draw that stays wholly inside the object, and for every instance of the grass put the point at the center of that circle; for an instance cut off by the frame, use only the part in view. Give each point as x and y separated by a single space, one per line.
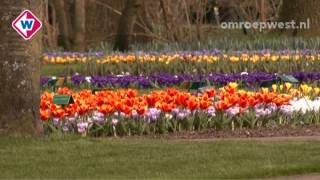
92 158
179 67
231 40
61 69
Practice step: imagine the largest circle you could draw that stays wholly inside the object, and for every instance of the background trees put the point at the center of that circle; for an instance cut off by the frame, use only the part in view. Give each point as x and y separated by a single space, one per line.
126 24
81 24
71 18
163 21
302 11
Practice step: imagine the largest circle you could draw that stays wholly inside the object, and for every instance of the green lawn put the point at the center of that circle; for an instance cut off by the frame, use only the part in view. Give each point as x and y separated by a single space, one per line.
91 158
61 69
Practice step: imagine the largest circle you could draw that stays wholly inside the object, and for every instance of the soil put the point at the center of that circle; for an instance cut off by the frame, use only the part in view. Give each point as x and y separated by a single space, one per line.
297 177
276 133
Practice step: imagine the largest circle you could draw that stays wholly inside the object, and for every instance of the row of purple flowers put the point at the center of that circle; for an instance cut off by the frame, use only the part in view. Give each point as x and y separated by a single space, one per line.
173 80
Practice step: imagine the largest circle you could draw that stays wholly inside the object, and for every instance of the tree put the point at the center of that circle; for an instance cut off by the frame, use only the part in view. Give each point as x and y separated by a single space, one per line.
126 24
302 11
63 22
19 72
79 25
71 20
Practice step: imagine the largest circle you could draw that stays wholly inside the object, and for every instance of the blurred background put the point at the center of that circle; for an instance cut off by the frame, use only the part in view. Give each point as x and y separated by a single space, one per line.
80 25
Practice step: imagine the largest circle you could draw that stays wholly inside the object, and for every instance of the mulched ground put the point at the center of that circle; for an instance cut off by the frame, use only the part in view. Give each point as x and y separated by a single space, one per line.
269 132
313 176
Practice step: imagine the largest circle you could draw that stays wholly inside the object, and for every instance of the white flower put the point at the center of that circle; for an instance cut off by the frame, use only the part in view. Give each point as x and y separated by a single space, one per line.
211 111
301 105
71 119
56 121
286 109
168 116
114 121
65 129
244 73
82 127
98 114
88 79
232 111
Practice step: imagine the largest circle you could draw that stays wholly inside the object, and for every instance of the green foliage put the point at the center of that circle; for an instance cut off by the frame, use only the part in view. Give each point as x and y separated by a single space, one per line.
254 42
227 44
179 67
198 121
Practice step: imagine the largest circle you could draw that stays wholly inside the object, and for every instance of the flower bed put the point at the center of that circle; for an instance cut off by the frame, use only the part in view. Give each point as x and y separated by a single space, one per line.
237 97
194 56
167 80
187 62
125 112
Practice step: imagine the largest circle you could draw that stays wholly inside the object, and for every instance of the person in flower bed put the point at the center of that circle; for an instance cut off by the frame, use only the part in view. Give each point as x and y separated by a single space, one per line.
125 112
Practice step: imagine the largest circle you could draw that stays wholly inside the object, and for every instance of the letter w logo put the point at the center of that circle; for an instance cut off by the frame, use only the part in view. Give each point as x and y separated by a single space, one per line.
27 24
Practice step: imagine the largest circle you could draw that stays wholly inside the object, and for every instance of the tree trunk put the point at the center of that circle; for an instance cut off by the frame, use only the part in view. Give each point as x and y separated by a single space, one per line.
164 7
126 24
79 25
64 25
302 11
19 72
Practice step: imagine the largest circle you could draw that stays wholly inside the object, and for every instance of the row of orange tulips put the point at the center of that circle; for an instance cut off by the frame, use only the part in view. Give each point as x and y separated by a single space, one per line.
129 102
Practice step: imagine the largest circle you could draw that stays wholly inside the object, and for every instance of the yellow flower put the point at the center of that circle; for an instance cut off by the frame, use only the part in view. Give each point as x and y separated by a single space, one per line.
234 59
265 90
255 58
305 88
285 57
214 58
295 92
233 85
274 58
306 97
287 85
274 87
316 91
296 57
244 57
281 87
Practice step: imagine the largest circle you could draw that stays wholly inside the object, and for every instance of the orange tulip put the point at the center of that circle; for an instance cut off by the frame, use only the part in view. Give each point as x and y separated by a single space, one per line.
243 102
204 104
44 115
151 100
127 100
141 110
211 93
172 91
131 93
126 109
64 90
166 107
181 98
192 104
